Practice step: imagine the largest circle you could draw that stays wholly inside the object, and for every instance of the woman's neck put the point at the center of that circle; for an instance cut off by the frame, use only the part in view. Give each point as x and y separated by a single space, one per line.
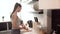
15 13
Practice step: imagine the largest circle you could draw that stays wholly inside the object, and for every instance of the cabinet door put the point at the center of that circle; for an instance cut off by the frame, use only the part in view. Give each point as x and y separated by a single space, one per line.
56 19
3 26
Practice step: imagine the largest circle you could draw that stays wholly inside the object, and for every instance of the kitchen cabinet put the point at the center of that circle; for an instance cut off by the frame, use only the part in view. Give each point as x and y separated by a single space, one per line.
5 26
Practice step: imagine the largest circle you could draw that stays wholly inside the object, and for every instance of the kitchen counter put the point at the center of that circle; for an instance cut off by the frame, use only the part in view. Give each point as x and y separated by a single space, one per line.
25 32
5 25
35 30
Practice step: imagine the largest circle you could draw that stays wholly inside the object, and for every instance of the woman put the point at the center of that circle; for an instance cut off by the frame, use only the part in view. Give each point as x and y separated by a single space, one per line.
15 19
16 22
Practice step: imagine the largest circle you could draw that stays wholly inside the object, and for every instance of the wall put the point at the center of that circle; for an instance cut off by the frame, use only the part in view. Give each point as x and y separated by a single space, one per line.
45 20
42 18
49 4
6 7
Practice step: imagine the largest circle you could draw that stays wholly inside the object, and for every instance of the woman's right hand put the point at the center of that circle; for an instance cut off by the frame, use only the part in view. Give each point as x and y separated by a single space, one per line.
20 26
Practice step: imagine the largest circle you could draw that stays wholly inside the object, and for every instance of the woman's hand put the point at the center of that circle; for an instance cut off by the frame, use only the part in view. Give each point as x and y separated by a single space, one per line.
20 26
24 28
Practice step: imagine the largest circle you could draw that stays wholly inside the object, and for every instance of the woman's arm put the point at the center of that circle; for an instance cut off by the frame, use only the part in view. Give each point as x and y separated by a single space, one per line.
14 20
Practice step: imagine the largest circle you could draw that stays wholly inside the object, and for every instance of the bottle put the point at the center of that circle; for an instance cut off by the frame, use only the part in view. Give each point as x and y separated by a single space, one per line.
2 18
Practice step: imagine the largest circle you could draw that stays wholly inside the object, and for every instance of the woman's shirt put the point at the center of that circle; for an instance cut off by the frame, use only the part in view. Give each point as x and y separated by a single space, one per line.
18 22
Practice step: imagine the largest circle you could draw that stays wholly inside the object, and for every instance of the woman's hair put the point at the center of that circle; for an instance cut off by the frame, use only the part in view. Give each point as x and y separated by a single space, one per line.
15 7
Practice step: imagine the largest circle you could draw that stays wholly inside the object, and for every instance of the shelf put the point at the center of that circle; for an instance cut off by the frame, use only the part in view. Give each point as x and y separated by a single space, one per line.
37 12
32 2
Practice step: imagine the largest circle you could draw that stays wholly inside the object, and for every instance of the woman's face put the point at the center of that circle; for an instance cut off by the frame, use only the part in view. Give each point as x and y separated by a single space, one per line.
18 9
